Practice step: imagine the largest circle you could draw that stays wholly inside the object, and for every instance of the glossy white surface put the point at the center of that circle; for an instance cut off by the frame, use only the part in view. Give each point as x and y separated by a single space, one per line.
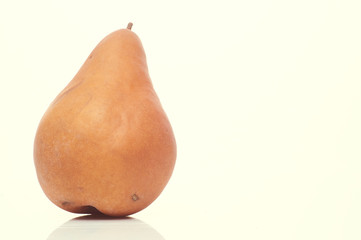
92 227
264 98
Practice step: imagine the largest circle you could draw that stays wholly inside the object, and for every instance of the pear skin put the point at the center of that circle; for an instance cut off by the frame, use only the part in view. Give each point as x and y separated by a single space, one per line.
105 144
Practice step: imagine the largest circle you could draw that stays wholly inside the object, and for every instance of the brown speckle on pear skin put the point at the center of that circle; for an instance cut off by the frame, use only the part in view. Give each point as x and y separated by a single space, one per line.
65 203
135 197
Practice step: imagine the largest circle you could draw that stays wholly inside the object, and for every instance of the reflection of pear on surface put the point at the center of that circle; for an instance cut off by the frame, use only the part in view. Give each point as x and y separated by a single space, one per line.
90 227
105 144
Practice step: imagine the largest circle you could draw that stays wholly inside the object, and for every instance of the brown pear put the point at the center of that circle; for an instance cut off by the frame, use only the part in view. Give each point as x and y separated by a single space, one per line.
105 144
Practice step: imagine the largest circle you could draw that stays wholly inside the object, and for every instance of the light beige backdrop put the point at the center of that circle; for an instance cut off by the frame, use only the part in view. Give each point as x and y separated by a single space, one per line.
264 98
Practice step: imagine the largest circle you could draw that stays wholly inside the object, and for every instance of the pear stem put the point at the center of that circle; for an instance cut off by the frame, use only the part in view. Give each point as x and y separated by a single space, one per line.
130 25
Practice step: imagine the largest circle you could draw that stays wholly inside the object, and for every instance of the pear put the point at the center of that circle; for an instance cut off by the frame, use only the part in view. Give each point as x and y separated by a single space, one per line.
105 144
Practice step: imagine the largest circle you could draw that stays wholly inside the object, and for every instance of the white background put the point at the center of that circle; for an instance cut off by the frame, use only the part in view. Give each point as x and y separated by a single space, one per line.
264 98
